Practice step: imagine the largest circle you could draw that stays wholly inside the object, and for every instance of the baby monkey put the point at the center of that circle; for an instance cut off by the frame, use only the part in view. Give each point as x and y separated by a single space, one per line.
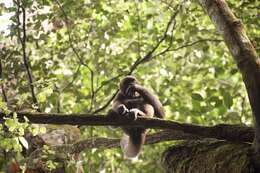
134 100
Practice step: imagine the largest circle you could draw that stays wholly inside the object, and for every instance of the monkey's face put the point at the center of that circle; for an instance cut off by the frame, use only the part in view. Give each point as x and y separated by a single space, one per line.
127 86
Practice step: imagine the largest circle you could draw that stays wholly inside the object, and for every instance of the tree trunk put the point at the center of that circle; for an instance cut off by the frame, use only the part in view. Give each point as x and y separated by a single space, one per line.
242 51
214 155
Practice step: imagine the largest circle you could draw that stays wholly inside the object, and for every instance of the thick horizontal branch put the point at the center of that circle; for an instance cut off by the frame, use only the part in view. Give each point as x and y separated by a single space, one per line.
222 131
104 143
166 135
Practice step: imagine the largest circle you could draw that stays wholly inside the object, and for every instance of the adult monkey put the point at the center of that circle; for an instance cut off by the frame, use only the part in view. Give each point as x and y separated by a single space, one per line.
131 101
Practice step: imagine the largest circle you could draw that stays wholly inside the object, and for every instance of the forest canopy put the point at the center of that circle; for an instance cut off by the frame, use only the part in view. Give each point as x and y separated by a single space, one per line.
68 56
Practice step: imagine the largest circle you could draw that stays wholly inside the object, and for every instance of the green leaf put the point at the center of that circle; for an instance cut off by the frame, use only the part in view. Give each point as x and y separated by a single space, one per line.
215 101
197 96
42 130
10 123
234 116
228 100
196 105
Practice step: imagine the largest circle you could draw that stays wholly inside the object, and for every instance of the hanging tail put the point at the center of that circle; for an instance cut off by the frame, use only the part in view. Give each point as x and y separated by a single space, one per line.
131 145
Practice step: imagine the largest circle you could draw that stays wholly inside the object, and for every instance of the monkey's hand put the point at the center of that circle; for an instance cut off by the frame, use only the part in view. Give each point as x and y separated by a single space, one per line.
134 113
130 114
119 110
131 89
122 110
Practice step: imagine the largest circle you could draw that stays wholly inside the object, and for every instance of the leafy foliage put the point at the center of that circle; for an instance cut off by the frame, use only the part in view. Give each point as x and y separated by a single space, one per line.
78 50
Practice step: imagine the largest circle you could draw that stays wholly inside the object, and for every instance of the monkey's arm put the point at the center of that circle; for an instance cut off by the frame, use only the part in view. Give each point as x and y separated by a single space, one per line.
118 109
151 99
120 101
128 107
134 101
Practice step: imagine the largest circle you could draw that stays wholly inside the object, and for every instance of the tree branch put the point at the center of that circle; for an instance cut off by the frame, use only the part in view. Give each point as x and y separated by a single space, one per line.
79 57
166 135
171 24
148 56
104 143
22 39
71 40
190 44
161 53
222 131
1 83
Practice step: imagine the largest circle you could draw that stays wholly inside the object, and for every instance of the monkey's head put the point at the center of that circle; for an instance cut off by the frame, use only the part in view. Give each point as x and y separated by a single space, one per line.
126 86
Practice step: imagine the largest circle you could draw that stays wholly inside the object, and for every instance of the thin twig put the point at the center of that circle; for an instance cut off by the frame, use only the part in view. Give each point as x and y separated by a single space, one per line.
75 75
148 56
169 4
2 84
139 28
106 104
25 56
5 130
111 98
108 81
186 45
58 91
92 93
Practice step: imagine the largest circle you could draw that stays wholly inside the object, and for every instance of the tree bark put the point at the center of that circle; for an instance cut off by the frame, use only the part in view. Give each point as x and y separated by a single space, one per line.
222 131
242 51
208 155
